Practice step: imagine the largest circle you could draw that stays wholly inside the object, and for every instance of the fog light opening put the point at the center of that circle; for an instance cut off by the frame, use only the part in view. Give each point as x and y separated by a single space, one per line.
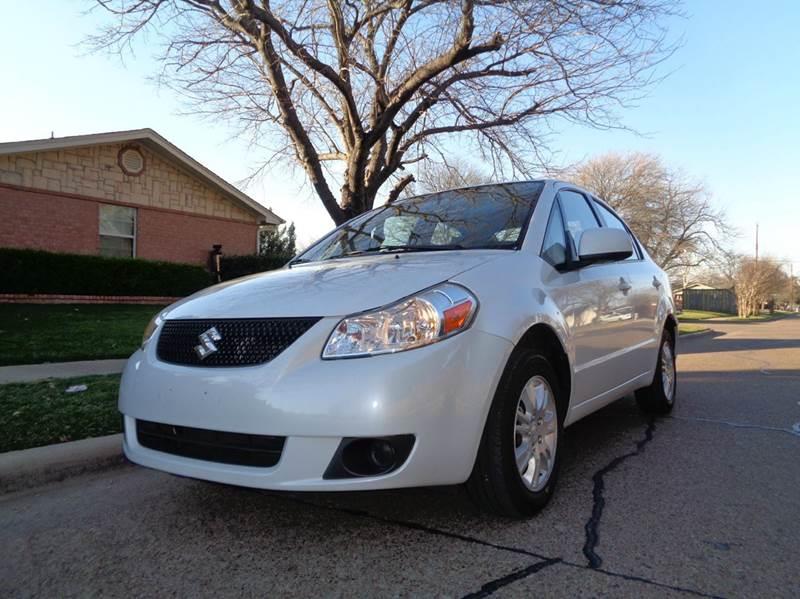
382 454
369 456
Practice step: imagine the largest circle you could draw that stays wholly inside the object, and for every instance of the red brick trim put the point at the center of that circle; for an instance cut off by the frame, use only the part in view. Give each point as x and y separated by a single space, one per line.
42 298
75 196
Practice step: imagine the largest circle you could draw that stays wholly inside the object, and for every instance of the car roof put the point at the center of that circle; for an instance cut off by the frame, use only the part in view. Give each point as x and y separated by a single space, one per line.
556 183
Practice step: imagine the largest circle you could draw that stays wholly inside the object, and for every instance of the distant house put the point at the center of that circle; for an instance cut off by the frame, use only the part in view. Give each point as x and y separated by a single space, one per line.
677 292
126 193
698 296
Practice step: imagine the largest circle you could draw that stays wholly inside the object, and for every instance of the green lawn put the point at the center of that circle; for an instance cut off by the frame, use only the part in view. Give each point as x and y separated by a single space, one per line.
702 315
33 333
34 414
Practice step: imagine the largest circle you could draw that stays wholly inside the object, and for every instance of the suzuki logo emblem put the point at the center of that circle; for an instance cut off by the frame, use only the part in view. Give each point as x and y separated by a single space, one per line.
207 343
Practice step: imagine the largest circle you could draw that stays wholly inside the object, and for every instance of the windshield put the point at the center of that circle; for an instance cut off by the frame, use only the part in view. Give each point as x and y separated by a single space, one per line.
490 216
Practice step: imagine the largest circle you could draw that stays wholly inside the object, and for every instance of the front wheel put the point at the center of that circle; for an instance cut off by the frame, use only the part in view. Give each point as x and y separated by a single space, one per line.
517 465
659 396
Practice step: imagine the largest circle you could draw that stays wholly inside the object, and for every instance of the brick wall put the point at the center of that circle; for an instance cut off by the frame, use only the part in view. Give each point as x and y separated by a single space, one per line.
93 171
59 222
46 222
185 238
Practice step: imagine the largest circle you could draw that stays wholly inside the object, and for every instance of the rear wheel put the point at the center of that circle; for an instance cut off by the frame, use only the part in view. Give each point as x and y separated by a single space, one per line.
517 465
659 396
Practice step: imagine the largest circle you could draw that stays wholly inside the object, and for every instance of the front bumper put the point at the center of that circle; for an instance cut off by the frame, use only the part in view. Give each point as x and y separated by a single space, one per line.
440 394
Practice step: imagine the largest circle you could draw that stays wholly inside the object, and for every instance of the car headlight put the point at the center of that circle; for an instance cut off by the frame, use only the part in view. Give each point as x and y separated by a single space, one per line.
151 328
421 319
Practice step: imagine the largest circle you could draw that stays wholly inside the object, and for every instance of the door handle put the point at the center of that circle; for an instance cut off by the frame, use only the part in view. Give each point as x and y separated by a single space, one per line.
624 286
656 282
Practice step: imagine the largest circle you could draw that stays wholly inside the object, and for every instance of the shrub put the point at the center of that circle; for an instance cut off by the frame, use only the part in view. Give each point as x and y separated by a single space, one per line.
233 267
280 242
34 271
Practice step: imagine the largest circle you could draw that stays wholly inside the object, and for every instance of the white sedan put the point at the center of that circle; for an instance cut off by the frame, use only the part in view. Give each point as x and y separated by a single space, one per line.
442 339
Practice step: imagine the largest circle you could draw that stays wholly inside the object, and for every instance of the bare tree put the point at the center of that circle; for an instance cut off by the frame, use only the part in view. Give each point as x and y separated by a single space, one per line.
672 216
756 281
356 90
720 271
438 176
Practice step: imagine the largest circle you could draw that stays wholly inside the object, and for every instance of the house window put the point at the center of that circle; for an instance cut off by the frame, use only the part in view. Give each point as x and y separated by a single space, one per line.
117 231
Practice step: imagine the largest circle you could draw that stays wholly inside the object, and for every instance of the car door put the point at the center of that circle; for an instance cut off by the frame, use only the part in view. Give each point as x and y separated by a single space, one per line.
645 296
594 300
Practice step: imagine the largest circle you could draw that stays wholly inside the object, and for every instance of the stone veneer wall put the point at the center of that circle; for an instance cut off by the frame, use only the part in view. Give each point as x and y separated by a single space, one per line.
93 171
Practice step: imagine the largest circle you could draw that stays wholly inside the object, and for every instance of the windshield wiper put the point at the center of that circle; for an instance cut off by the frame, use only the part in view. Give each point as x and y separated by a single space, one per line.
297 261
394 249
397 249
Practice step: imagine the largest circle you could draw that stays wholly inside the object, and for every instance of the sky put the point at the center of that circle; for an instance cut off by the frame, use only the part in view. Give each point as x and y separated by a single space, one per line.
727 114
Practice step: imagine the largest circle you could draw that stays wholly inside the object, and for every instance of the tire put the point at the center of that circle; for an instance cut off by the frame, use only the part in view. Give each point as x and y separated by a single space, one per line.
659 397
496 484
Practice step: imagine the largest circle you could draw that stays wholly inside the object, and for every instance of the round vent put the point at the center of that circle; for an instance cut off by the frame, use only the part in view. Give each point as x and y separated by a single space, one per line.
131 161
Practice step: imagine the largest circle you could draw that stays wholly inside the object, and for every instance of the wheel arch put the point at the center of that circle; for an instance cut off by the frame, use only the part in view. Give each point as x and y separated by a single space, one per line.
671 325
543 337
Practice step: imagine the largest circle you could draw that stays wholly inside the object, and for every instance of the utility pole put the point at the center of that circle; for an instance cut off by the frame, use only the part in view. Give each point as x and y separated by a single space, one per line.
756 243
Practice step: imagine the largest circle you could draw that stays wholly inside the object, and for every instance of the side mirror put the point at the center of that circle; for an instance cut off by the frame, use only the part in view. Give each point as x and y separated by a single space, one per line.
604 245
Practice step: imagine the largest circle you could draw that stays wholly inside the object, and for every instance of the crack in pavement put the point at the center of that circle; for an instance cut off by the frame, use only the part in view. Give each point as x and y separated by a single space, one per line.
643 580
599 502
765 367
794 431
545 561
414 526
498 583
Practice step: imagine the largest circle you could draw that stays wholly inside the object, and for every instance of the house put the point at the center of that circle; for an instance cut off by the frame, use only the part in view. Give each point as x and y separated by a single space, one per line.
699 296
678 292
125 193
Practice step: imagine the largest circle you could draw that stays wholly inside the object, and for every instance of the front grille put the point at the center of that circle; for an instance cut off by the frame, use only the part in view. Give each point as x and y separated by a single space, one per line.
242 342
212 446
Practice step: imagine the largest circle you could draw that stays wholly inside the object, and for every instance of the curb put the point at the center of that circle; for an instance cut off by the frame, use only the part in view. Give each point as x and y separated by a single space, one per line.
37 466
695 333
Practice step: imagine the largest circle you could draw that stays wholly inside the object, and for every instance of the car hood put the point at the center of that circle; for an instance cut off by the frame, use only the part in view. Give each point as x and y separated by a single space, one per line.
330 288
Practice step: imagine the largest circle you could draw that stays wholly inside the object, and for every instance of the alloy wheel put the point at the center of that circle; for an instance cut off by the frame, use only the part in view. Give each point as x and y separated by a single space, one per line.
668 371
536 433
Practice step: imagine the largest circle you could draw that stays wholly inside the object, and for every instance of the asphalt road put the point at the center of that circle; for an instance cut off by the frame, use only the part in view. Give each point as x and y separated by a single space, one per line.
705 502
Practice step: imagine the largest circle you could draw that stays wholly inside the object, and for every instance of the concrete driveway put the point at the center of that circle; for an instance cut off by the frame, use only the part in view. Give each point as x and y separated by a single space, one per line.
703 503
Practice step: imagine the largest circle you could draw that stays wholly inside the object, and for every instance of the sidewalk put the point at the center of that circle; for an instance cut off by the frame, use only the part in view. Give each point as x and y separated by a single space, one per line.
58 370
